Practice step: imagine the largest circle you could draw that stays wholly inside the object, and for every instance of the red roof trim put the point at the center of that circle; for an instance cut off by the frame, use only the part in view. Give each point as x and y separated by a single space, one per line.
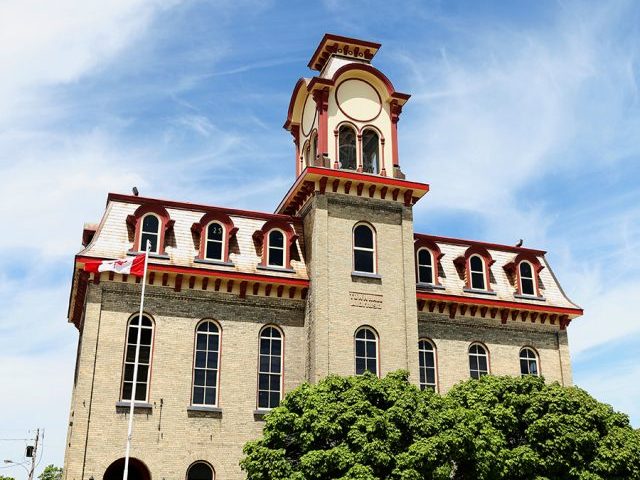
471 243
154 267
498 303
119 197
338 38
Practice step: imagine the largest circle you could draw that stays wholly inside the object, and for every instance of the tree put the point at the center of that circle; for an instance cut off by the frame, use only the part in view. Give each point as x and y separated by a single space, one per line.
51 472
365 428
2 477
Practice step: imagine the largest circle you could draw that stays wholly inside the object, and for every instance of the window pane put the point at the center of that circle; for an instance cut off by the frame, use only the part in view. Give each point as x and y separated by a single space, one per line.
363 237
276 347
274 401
482 363
201 359
525 270
263 399
212 360
201 341
431 377
210 396
265 345
145 336
360 348
128 372
424 257
473 362
150 224
198 395
199 377
363 261
370 152
360 366
347 148
144 355
274 383
527 286
372 365
476 264
213 342
371 349
210 378
276 257
149 237
425 275
214 232
264 363
477 281
214 250
126 390
263 382
141 392
276 239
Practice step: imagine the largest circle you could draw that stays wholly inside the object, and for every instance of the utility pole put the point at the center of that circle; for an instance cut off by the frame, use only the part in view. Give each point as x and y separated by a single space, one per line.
34 454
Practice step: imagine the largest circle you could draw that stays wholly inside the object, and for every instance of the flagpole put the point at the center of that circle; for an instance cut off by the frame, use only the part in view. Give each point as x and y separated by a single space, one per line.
125 474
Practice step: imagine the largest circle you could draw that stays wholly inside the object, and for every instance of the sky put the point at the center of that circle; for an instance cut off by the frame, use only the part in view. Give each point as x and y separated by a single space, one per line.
524 119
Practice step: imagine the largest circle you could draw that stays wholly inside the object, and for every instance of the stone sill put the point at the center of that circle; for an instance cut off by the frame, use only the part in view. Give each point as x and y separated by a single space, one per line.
276 269
218 263
159 256
529 297
366 275
260 413
479 292
429 286
201 411
139 407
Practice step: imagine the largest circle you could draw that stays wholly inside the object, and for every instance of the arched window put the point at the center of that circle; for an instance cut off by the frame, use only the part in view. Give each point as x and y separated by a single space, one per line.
527 285
275 249
270 368
314 148
347 148
478 361
366 351
364 249
206 364
144 358
427 362
214 249
200 471
425 266
476 270
370 152
528 362
150 232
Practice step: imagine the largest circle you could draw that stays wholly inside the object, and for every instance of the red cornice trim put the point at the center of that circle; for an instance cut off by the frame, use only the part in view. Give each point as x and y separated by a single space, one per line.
154 267
470 243
119 197
338 38
497 303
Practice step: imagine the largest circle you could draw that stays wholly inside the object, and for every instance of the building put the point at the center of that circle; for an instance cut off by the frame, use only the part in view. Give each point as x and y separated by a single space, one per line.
244 306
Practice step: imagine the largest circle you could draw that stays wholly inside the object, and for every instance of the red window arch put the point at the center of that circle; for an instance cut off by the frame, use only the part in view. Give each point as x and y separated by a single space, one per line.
165 224
263 236
526 283
203 228
465 262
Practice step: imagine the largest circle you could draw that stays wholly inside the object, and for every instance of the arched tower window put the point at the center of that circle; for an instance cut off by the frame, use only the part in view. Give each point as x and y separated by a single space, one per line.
364 250
200 471
270 368
366 351
478 361
144 358
425 266
150 232
527 285
528 362
347 148
370 152
427 362
477 272
206 364
214 249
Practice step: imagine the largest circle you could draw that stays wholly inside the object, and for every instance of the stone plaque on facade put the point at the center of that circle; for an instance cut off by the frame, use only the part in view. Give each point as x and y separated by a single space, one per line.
365 300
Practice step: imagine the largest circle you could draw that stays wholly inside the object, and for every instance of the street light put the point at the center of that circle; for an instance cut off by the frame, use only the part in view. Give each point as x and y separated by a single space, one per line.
16 463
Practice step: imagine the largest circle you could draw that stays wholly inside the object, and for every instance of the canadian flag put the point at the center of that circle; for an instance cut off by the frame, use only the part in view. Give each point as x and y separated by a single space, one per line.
124 266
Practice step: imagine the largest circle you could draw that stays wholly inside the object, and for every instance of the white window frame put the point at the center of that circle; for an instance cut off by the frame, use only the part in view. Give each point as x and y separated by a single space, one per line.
478 355
365 249
536 357
222 242
376 340
434 352
378 167
125 362
532 278
142 248
284 248
206 350
483 271
433 271
260 372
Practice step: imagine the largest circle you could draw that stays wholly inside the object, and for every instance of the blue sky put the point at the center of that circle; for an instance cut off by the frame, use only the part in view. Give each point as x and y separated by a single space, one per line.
525 120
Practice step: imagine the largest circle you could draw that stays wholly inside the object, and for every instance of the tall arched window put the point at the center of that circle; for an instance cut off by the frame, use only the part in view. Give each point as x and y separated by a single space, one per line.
370 152
144 359
528 362
275 249
206 364
366 351
314 148
270 368
478 361
427 362
214 249
476 270
425 266
347 148
150 232
364 249
200 471
527 285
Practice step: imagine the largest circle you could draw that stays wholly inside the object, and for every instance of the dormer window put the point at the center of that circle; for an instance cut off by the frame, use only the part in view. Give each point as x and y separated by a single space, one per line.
428 257
150 233
275 249
524 273
425 266
477 273
347 148
527 285
364 250
214 249
214 231
370 152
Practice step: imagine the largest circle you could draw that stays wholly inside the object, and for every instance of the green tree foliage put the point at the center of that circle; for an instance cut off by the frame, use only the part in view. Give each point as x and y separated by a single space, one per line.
51 472
2 477
365 428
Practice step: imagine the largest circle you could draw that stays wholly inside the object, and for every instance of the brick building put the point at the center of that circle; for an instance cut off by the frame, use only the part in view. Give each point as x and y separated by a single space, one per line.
243 306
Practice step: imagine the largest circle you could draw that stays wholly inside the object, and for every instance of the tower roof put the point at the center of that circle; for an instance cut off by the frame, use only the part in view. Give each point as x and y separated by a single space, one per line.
345 46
